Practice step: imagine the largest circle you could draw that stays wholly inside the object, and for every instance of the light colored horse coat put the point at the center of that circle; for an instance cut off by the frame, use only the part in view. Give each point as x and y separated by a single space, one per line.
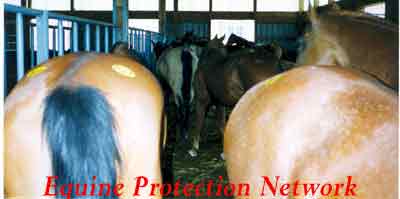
353 40
137 105
169 67
316 124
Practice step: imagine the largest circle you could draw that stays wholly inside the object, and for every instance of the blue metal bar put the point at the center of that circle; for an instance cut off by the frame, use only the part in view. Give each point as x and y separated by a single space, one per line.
106 39
114 35
53 15
54 42
75 37
136 40
60 38
97 38
5 91
31 45
43 37
20 45
131 39
87 37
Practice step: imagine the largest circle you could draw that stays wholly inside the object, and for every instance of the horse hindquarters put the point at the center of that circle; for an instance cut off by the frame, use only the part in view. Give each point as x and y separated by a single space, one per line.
315 124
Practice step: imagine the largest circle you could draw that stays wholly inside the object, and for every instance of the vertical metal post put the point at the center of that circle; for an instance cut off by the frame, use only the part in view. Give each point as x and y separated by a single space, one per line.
4 69
75 38
114 35
106 39
162 16
20 45
60 38
316 3
31 44
131 39
42 37
98 38
136 41
54 42
87 37
120 19
301 5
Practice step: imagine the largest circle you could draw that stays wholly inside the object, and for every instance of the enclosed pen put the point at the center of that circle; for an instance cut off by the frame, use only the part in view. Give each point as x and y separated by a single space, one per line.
36 31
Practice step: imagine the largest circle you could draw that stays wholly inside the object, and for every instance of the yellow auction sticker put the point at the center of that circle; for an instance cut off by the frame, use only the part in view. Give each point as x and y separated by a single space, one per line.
123 70
273 79
37 70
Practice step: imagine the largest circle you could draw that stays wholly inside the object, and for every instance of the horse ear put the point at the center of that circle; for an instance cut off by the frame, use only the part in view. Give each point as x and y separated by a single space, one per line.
120 48
215 37
312 13
222 38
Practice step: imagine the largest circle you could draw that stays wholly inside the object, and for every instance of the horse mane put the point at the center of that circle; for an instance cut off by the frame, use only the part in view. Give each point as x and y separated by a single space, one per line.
363 18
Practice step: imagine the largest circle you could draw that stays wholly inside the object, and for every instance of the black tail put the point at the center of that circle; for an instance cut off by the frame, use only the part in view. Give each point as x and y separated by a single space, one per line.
79 127
186 59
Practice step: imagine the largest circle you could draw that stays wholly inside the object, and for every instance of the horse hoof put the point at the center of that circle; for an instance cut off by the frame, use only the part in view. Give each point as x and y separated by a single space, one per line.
192 153
222 156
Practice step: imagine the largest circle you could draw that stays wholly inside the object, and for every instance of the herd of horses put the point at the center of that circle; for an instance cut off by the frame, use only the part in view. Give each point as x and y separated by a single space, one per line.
332 114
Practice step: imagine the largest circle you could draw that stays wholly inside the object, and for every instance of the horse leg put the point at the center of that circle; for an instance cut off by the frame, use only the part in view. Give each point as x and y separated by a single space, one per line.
220 118
202 101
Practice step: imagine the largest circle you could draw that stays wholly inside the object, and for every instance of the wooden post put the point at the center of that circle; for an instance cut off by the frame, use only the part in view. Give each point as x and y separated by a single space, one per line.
392 11
120 19
162 16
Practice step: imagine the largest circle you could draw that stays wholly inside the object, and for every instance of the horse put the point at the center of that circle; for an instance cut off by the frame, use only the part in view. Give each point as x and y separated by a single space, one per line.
122 48
315 124
83 118
159 47
222 78
354 40
177 67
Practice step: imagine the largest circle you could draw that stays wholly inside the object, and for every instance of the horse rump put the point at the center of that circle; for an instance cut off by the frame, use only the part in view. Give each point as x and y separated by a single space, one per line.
78 124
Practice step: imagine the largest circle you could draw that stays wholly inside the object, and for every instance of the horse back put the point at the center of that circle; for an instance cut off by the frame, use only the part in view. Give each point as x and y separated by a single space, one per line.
316 124
362 42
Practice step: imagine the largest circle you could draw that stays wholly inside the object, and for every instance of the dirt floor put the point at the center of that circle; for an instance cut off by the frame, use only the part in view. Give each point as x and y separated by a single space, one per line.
208 165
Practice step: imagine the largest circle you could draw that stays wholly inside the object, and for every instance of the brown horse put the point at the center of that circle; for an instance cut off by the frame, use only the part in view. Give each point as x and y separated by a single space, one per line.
79 116
315 124
354 40
222 79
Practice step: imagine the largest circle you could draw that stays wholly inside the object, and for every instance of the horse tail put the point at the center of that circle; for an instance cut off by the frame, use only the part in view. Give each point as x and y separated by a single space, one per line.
79 127
186 59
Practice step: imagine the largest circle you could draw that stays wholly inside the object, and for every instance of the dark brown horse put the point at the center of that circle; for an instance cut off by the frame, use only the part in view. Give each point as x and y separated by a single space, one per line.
354 40
221 79
315 124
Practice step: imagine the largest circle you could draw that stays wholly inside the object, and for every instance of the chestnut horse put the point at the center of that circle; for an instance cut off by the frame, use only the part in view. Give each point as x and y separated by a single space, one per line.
315 124
79 116
222 79
354 40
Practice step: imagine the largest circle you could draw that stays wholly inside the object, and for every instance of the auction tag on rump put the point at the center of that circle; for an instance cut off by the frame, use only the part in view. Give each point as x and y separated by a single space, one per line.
272 80
37 70
123 70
